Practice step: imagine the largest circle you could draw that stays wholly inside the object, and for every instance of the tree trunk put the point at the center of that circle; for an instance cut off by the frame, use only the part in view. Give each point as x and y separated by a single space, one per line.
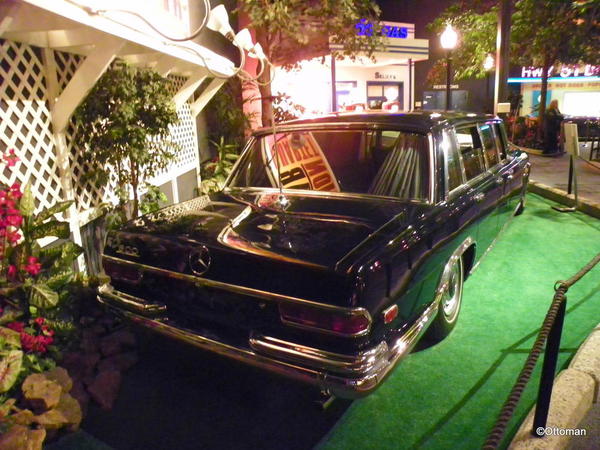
543 95
266 98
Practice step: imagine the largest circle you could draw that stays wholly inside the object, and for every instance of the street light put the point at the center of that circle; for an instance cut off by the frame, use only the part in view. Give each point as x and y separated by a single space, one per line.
448 40
488 65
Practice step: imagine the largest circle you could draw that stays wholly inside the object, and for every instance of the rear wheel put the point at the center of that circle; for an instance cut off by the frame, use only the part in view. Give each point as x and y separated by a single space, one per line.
450 293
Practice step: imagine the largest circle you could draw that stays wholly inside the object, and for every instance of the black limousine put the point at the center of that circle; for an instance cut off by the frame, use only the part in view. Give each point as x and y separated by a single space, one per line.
337 243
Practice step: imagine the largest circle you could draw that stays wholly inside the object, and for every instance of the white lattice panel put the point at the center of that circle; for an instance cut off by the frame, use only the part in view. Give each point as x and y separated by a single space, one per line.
25 124
66 65
184 134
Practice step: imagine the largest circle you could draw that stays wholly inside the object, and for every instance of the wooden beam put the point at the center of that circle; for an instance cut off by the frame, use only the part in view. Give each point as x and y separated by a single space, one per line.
189 87
62 154
82 81
164 65
206 95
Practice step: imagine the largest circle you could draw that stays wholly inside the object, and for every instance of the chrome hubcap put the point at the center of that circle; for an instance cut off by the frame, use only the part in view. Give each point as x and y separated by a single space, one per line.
452 292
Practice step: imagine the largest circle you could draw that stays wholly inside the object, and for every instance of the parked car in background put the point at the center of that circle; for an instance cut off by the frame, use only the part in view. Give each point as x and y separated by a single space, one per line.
335 245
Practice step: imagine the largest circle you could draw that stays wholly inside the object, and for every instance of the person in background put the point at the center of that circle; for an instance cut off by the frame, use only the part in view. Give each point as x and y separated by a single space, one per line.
552 121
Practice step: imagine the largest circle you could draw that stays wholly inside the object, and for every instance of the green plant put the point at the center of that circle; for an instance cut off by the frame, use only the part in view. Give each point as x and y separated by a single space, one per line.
215 172
123 125
152 199
225 116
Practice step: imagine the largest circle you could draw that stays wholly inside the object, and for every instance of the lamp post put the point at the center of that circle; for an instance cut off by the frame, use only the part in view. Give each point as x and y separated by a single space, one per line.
488 65
448 40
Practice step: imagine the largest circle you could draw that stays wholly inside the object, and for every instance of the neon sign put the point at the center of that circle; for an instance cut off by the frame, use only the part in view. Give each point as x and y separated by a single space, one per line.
565 71
364 28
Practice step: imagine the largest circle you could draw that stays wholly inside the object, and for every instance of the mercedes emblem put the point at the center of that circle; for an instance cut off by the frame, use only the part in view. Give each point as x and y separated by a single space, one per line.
200 260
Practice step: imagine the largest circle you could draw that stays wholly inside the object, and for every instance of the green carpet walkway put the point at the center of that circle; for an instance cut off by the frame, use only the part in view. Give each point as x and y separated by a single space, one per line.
449 395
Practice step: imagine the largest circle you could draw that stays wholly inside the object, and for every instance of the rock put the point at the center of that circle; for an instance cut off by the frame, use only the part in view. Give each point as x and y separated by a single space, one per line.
90 342
19 437
98 329
86 320
66 414
79 393
114 342
105 388
88 380
120 361
109 347
72 361
89 361
60 375
41 393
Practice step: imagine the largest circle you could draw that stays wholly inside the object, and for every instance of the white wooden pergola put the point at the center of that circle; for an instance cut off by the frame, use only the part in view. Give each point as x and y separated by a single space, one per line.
65 27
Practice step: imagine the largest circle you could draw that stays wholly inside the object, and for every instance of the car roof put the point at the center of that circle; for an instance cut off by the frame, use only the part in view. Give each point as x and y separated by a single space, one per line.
420 121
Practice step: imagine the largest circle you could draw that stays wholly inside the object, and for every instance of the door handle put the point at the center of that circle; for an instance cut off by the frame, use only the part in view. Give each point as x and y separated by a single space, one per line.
478 197
510 176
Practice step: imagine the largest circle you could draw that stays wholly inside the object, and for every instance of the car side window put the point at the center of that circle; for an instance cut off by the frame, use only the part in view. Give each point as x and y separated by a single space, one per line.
471 151
501 139
455 176
489 144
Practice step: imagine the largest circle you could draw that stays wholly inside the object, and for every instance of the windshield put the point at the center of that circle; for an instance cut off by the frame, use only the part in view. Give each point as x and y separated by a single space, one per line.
377 162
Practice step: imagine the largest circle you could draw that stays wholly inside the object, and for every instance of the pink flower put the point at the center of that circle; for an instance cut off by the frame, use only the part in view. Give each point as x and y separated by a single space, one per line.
33 267
27 341
39 321
13 237
14 220
10 159
12 272
16 326
15 190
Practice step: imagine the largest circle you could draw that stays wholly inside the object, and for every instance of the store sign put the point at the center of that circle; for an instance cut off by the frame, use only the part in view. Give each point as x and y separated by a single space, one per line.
443 86
385 76
364 28
564 71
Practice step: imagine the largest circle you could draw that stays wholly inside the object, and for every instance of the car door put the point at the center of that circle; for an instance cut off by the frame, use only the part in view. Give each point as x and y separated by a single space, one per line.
511 171
483 188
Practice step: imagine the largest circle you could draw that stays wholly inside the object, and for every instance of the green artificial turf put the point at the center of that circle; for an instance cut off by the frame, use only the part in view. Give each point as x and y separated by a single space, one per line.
449 395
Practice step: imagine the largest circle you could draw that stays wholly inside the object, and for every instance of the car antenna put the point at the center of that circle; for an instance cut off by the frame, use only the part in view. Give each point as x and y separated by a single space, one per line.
282 200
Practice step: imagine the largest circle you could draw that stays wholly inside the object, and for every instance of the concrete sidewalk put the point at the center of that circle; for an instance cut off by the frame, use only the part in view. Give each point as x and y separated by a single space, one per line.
550 178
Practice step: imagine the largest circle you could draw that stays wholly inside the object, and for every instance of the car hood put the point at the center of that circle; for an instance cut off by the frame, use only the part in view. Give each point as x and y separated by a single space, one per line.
318 230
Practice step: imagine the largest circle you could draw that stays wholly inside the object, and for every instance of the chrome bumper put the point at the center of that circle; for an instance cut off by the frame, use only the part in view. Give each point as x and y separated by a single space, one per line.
345 376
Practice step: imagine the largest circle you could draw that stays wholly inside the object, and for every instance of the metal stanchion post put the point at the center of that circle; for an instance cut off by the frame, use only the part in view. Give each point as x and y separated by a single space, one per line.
548 369
572 147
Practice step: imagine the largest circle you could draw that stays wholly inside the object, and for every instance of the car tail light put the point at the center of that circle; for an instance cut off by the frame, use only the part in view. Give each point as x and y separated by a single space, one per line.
121 272
349 324
390 314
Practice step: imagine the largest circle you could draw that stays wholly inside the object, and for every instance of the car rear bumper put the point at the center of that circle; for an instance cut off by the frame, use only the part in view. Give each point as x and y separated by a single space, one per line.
343 375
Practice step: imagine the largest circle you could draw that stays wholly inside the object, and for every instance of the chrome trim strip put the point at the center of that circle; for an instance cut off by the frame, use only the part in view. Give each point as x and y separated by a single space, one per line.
311 193
342 386
335 362
242 290
131 302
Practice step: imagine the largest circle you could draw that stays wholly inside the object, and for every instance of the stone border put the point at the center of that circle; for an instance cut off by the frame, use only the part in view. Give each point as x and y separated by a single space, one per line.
575 390
560 196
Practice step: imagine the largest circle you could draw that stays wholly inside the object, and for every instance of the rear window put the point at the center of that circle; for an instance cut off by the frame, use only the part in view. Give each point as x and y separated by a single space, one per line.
377 162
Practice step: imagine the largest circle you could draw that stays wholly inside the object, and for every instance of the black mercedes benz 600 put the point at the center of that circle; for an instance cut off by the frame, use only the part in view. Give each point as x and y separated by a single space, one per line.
336 244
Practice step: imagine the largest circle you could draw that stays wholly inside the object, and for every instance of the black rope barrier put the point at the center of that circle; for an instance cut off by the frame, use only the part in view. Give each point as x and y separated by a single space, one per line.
557 309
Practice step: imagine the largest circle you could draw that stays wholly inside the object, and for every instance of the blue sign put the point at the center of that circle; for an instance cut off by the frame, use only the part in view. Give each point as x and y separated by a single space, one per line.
364 28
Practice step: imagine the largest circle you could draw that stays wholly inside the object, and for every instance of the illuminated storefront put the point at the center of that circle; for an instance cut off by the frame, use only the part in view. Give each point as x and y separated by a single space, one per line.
577 89
360 84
